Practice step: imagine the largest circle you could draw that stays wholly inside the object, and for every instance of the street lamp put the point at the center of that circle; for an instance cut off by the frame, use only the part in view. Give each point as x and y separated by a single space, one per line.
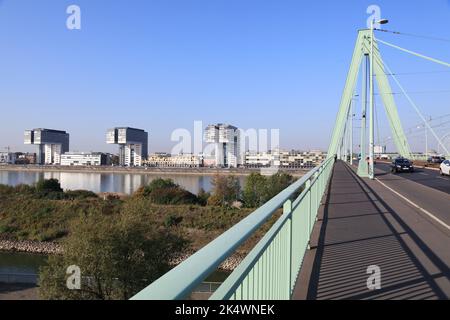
372 102
426 137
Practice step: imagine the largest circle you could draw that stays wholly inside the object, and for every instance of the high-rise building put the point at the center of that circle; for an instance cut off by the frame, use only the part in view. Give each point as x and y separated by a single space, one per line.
50 143
133 145
226 140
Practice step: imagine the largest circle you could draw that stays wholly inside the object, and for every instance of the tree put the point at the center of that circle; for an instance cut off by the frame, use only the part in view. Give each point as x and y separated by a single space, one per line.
117 258
277 183
255 190
48 185
259 189
226 190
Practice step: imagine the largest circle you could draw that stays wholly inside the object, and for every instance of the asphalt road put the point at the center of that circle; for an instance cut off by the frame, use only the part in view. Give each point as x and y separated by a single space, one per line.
424 187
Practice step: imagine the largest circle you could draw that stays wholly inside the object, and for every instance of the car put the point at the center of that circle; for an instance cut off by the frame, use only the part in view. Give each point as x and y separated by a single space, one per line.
402 165
436 159
445 168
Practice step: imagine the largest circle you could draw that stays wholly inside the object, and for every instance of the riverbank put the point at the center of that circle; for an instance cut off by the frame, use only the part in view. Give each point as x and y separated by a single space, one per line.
202 171
29 246
52 248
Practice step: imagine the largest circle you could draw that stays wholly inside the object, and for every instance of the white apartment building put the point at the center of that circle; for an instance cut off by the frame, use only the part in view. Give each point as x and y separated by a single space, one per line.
131 154
284 158
83 159
52 153
7 158
174 161
226 140
258 159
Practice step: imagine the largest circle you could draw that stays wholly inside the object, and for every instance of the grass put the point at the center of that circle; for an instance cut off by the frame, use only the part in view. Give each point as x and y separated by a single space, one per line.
23 216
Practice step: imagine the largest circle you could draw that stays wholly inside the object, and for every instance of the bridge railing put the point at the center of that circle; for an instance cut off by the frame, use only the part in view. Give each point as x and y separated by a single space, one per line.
270 270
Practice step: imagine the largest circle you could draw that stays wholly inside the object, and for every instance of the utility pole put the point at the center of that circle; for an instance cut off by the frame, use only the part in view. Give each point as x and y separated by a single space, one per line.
426 141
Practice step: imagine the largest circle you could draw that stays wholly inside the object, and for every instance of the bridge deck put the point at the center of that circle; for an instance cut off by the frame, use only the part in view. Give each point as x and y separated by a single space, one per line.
361 224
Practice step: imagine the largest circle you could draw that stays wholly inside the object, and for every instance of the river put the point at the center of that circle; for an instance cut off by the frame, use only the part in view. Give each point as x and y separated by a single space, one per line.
107 182
24 267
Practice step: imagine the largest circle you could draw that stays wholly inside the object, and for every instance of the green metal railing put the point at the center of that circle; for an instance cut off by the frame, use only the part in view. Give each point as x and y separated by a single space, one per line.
270 270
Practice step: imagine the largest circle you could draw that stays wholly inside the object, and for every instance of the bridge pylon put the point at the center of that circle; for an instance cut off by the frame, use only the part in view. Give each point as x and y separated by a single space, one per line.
360 58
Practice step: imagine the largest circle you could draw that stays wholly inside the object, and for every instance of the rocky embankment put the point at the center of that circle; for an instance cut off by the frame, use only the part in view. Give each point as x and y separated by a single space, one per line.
228 265
30 246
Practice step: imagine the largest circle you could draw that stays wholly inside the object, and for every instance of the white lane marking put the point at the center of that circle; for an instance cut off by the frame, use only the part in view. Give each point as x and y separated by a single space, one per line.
416 206
424 174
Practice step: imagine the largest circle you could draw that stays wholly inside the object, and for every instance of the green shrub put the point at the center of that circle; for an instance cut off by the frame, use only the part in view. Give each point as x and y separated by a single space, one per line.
203 197
79 194
48 185
174 195
172 220
24 189
165 191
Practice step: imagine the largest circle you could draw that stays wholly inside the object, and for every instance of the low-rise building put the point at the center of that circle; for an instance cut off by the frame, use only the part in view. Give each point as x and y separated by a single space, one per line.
7 158
165 160
83 159
288 159
25 158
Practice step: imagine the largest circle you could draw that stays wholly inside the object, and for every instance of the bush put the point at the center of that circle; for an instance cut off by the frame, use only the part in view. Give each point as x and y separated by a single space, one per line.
174 195
24 189
165 191
203 197
79 194
48 185
172 220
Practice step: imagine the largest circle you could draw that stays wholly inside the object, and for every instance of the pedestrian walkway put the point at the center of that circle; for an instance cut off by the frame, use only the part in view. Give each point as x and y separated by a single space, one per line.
359 228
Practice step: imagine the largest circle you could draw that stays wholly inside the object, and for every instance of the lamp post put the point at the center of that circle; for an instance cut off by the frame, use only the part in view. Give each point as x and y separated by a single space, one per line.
426 138
371 103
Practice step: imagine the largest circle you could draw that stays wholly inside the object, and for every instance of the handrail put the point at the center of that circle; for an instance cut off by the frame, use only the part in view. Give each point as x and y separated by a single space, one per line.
184 278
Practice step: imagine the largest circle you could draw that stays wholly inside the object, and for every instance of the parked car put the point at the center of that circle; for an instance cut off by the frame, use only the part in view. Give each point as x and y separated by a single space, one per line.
402 165
435 159
445 168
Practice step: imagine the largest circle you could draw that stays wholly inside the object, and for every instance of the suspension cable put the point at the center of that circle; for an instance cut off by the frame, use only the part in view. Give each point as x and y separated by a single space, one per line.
414 53
416 108
414 35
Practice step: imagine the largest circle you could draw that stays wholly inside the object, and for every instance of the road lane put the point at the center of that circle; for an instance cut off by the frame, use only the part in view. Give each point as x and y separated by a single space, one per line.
426 177
423 187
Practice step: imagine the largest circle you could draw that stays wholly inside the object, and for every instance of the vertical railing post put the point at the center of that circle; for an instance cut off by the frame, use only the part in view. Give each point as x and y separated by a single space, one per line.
308 187
287 208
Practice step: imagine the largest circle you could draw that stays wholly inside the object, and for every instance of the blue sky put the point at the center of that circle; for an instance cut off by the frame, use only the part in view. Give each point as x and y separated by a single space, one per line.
162 64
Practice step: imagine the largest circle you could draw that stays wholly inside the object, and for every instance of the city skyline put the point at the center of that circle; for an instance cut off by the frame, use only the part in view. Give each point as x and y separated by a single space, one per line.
162 67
